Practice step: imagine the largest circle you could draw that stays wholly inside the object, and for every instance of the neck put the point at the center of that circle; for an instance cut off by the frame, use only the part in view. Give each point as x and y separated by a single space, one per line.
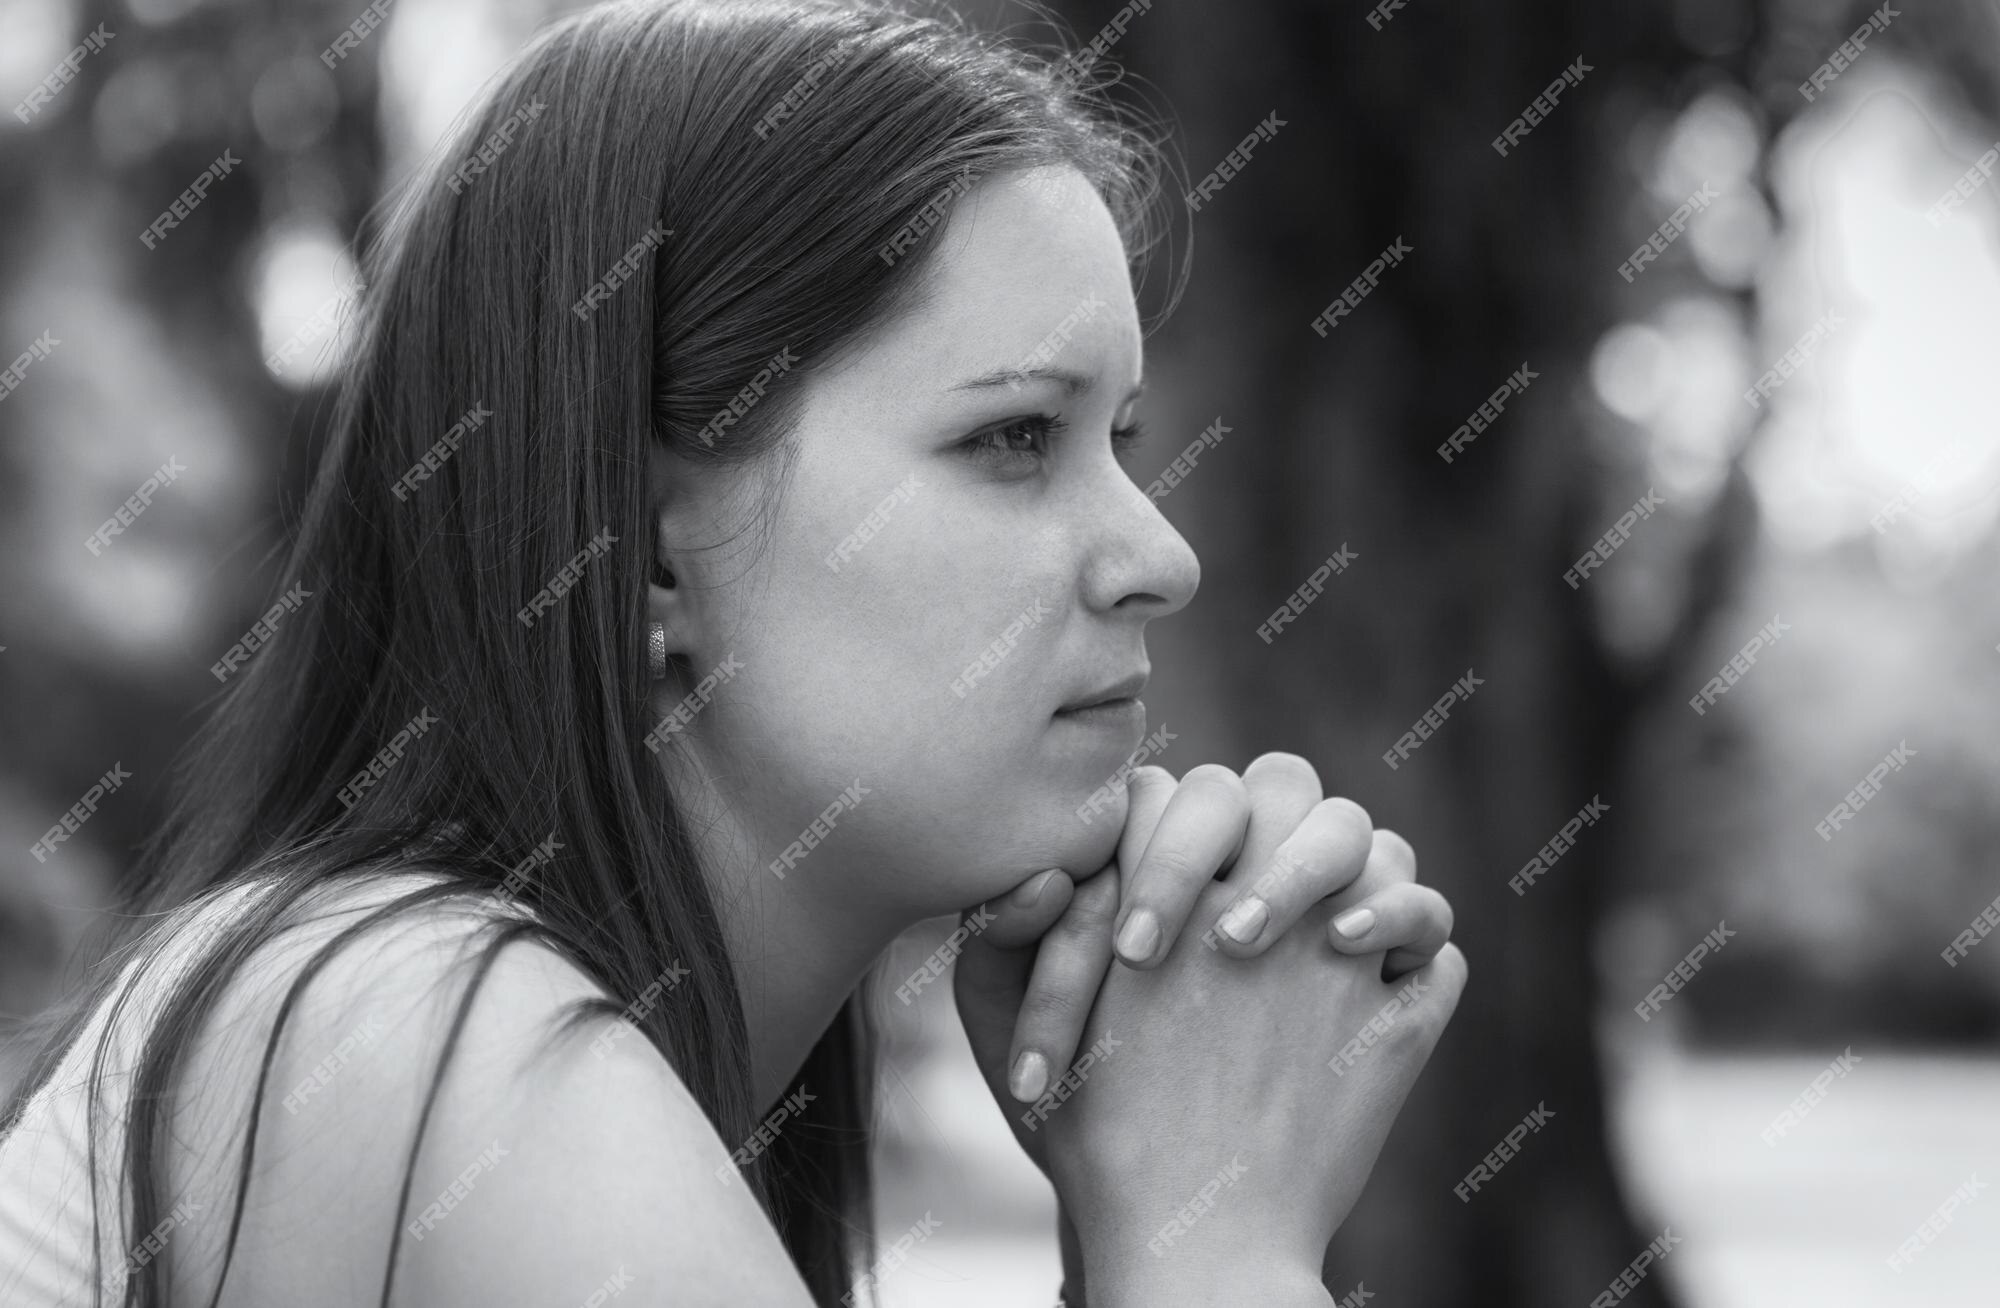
799 949
796 963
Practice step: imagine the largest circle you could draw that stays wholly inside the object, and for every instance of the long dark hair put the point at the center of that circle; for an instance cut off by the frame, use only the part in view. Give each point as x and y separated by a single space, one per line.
757 162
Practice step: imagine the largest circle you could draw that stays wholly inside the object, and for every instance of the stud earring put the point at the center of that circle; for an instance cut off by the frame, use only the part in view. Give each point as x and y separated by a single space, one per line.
656 649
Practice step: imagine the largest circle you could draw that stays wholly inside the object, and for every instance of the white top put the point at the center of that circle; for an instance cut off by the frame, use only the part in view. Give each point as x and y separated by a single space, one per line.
45 1191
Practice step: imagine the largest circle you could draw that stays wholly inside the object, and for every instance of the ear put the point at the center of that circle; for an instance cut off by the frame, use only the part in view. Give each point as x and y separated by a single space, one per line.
669 597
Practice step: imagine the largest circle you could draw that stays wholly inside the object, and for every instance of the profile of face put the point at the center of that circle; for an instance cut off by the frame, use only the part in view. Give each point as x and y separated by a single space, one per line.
939 572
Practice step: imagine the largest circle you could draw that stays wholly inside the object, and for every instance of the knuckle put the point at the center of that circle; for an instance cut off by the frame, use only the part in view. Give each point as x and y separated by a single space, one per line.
1396 848
1420 1027
1102 884
1327 853
1291 771
1347 813
1421 1032
1090 909
1430 1012
1045 1010
1281 881
1173 863
1432 906
1223 779
1406 1028
1425 1028
1441 909
1451 973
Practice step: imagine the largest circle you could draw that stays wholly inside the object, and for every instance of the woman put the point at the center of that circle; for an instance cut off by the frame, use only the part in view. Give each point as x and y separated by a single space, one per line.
722 560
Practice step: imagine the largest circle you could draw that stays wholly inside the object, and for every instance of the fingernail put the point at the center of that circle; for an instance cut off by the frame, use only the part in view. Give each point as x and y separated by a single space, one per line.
1139 936
1030 892
1355 922
1245 918
1030 1076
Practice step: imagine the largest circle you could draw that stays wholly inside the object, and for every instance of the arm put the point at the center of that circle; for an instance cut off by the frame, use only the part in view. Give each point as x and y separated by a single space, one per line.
546 1174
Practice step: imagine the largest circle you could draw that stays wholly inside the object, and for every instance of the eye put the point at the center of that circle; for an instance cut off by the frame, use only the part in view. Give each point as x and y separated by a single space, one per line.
1125 440
1005 444
1029 438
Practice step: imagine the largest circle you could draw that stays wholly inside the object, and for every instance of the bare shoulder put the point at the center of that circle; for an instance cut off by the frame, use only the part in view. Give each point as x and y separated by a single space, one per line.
551 1171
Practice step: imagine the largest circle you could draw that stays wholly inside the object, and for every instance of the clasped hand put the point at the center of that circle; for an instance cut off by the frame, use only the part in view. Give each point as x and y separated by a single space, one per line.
1281 981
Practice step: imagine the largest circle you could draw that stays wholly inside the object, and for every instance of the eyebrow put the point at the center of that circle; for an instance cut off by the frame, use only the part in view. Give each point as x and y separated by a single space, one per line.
1073 383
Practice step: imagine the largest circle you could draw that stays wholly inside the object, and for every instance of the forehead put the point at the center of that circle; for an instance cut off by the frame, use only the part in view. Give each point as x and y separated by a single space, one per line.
1028 269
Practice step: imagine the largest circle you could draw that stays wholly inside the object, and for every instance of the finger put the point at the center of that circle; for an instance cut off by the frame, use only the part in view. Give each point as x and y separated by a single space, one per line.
1201 830
1283 789
997 957
1390 860
1019 917
1146 799
1002 986
1410 919
1443 981
1069 967
1420 1011
1327 851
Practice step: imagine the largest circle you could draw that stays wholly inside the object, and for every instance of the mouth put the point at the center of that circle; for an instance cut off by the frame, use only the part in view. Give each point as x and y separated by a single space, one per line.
1105 713
1120 695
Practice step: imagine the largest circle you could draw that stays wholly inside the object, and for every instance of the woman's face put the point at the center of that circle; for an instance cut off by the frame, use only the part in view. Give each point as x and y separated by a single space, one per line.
938 575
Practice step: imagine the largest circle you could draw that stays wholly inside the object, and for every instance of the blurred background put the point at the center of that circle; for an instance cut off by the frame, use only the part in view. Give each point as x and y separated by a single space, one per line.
1821 215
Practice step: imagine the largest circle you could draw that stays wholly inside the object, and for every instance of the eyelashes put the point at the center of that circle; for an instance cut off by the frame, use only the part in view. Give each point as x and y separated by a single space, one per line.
1039 431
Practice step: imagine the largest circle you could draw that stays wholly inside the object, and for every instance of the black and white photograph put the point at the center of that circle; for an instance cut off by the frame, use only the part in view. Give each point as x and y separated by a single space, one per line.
999 653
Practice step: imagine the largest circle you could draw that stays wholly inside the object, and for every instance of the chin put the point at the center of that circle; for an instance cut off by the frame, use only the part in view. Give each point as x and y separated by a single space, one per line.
1053 820
1051 837
1084 830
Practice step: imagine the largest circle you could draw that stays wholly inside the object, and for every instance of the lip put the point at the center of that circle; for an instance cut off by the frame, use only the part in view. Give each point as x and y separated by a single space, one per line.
1123 714
1121 691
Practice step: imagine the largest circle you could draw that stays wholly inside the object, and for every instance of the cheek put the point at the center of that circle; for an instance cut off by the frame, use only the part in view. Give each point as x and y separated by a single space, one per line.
937 628
851 669
925 668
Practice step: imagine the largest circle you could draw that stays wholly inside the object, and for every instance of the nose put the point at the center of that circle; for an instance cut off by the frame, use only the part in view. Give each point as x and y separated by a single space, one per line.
1138 564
